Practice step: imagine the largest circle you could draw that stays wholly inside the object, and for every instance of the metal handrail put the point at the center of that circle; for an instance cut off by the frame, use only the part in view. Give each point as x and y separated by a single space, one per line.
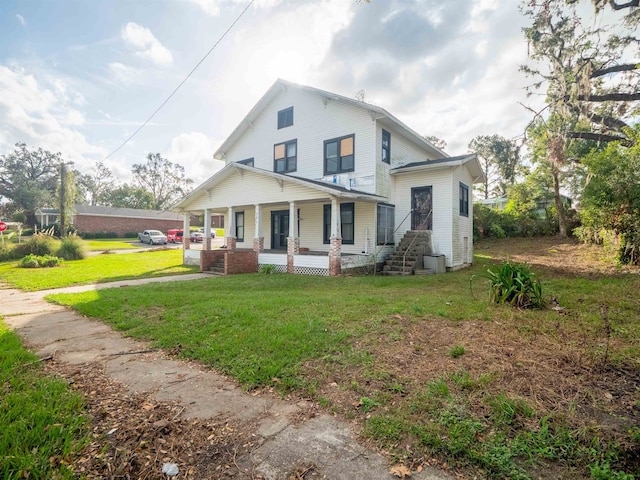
404 257
379 247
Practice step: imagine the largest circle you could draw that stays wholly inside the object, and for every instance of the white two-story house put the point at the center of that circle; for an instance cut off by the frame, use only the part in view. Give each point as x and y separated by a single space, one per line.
319 183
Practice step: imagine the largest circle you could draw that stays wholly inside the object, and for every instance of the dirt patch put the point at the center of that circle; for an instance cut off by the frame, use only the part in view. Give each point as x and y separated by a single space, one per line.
133 436
562 256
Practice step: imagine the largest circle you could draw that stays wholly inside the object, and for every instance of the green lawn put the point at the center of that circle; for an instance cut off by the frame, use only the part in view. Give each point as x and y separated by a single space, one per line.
42 423
97 269
110 244
421 361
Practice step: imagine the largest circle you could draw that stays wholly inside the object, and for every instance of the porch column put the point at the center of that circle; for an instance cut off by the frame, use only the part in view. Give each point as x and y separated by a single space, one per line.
207 229
335 241
186 225
231 230
293 242
258 238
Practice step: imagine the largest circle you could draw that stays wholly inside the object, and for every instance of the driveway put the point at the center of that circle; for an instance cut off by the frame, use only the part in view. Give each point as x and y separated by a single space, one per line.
285 434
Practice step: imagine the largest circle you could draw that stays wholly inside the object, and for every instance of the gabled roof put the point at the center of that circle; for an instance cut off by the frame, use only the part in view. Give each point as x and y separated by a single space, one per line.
221 175
280 86
125 212
471 159
100 211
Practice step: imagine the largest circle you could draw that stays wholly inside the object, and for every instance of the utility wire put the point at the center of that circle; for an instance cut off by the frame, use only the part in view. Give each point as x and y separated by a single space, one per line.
175 90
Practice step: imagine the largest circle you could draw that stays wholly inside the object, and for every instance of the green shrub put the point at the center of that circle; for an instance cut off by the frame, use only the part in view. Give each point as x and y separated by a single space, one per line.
267 269
38 244
72 247
6 252
130 235
514 283
36 261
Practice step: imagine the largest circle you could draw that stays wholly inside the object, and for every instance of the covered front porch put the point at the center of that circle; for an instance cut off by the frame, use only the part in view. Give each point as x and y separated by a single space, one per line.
295 225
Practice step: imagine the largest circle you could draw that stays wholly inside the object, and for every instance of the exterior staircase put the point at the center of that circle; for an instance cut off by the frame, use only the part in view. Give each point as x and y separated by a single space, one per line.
407 258
218 267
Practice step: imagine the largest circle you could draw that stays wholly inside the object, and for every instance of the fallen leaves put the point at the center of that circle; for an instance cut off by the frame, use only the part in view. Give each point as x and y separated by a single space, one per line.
400 471
133 435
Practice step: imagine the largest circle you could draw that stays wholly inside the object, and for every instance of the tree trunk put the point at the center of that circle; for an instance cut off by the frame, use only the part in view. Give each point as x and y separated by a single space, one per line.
562 223
63 200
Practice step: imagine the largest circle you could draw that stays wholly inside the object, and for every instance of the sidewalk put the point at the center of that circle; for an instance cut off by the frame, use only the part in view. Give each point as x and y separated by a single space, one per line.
324 441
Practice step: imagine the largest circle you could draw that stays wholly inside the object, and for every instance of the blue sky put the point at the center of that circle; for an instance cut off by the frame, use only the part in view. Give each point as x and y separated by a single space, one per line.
79 76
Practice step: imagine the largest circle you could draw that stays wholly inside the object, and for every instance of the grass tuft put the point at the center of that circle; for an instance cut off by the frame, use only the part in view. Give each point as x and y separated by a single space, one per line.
43 424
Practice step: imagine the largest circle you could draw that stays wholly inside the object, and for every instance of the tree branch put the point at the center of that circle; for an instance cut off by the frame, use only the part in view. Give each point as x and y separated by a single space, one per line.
611 97
601 137
620 6
615 68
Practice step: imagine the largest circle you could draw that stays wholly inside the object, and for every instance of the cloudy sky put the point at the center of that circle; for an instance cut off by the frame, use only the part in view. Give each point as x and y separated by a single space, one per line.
79 77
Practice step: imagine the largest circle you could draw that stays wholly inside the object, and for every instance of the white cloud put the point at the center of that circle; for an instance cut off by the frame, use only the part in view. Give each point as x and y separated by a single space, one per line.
43 117
21 19
194 151
124 74
210 7
146 44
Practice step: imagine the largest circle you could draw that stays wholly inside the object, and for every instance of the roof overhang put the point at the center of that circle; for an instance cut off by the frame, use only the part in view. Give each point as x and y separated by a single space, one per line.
469 160
376 113
232 168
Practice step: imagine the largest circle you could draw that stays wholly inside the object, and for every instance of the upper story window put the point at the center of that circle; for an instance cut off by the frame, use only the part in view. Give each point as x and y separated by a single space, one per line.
248 161
285 118
464 200
386 146
285 156
339 155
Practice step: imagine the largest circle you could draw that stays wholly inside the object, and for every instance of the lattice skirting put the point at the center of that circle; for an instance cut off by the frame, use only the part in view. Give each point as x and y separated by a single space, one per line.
323 272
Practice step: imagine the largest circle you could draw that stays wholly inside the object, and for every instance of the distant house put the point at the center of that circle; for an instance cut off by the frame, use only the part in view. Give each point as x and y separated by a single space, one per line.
98 219
318 183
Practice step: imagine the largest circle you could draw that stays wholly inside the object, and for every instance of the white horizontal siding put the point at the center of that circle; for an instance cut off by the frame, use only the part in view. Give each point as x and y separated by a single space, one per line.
249 188
311 261
313 123
462 226
402 153
440 180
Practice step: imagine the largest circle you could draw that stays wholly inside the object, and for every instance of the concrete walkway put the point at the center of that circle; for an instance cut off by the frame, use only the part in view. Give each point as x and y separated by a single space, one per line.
323 441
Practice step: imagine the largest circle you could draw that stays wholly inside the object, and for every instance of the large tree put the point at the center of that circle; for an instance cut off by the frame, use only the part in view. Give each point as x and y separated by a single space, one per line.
611 197
129 196
28 179
591 90
590 70
166 181
500 161
96 185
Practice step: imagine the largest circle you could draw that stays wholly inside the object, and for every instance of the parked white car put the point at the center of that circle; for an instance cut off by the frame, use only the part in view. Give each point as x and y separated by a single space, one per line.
152 237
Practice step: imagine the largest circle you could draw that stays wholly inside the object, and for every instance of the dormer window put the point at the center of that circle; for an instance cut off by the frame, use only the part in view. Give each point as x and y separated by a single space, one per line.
285 118
248 162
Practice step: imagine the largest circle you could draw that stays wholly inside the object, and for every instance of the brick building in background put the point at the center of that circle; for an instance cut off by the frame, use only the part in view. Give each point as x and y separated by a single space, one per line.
98 219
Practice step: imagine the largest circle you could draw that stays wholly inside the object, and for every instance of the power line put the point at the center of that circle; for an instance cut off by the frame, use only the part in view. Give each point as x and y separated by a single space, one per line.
144 124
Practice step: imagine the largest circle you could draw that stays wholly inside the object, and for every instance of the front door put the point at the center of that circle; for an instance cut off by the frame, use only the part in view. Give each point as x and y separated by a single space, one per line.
422 208
279 229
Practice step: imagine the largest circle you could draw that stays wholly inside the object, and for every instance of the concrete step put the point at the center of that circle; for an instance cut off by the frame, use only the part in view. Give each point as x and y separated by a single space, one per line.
423 271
